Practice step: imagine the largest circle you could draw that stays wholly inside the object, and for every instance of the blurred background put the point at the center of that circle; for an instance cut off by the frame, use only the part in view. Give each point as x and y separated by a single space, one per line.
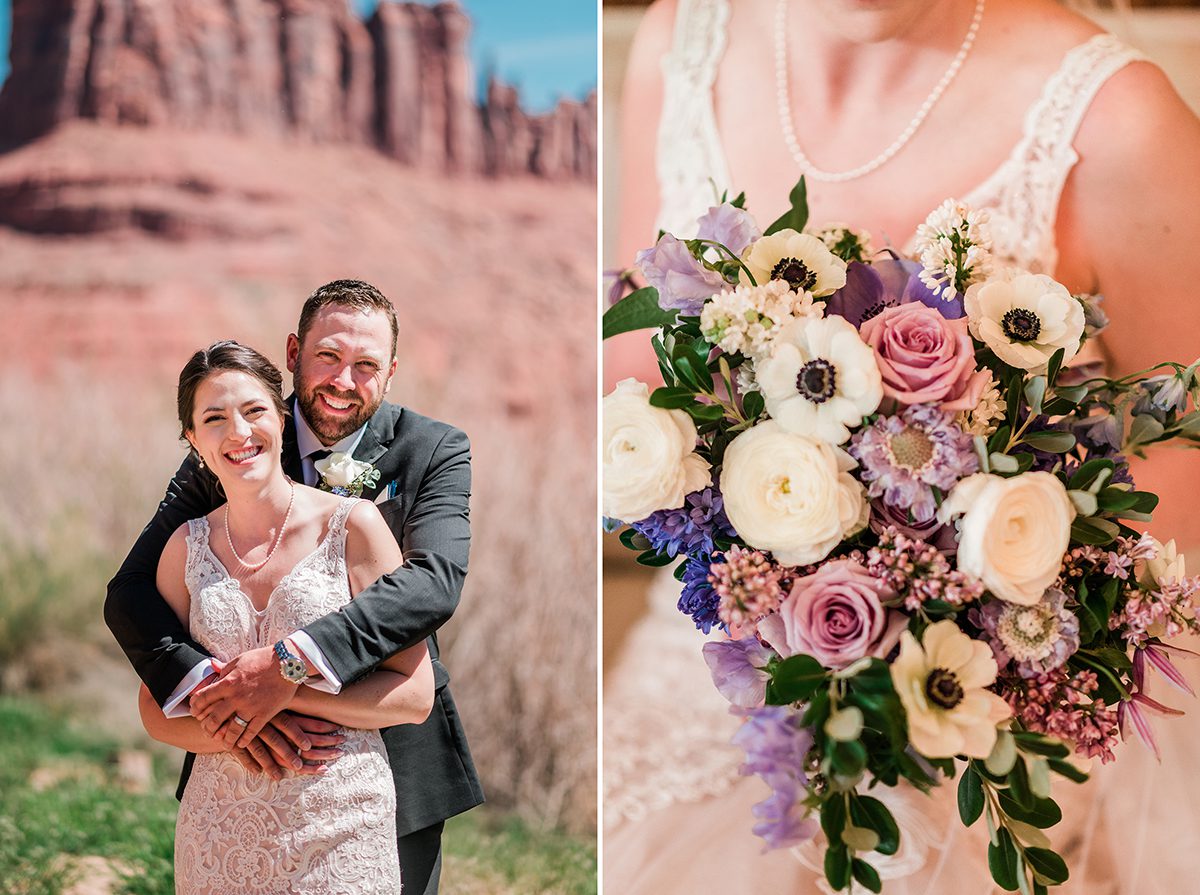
179 171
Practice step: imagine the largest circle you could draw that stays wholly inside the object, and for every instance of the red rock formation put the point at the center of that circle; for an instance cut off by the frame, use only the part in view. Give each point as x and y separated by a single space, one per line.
304 69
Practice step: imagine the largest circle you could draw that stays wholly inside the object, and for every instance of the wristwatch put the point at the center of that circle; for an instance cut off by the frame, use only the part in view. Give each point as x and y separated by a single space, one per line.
291 666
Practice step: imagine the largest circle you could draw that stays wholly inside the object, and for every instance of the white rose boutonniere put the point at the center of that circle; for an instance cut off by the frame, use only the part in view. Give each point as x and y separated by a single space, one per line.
1013 533
650 459
342 474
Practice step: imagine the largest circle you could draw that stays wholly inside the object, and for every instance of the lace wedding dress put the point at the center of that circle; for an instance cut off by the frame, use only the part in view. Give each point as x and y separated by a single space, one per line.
241 832
677 815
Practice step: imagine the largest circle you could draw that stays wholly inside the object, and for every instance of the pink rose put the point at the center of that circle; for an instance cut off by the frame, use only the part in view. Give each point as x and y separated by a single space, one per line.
835 615
925 358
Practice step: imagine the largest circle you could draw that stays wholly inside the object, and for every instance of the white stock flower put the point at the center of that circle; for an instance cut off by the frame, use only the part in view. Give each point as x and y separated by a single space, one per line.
954 245
941 682
820 379
1025 319
746 318
790 494
984 418
650 461
846 242
800 259
1013 532
1166 566
339 470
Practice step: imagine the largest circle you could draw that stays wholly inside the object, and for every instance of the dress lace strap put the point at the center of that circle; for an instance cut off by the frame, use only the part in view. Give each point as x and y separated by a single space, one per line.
689 146
198 569
335 537
1046 154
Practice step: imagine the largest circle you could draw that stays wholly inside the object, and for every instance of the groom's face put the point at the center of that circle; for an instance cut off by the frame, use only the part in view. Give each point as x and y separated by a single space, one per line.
342 370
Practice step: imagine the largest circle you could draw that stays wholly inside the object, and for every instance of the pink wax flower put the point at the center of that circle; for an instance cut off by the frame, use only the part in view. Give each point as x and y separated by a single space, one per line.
836 615
925 358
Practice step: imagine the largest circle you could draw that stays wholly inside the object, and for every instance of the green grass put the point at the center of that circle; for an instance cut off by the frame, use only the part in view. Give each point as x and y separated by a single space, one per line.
84 812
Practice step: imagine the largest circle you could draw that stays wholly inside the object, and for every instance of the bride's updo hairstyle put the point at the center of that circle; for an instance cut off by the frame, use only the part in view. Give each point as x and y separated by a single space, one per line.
219 357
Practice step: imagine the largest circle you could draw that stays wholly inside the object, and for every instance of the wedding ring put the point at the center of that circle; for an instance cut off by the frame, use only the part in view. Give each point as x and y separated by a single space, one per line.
239 720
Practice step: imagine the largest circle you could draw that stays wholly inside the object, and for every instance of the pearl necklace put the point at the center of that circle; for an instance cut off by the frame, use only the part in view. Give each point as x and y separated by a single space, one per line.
278 536
785 103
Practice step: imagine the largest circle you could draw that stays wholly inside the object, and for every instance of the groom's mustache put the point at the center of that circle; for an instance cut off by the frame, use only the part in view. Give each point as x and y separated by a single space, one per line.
340 395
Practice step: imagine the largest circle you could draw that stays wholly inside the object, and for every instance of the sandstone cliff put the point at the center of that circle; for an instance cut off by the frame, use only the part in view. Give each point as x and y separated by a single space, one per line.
306 70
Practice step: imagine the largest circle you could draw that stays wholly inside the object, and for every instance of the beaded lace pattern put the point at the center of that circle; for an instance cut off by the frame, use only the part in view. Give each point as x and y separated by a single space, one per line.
239 832
666 729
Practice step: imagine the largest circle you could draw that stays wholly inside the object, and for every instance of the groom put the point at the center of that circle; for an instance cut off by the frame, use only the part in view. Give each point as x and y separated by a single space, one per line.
342 357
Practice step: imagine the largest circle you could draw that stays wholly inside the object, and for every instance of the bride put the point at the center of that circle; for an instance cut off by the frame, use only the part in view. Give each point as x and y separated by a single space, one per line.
276 556
1090 165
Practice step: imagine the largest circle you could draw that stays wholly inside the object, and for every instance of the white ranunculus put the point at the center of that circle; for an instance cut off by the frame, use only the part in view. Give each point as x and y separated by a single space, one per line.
650 459
339 470
821 378
1168 565
1025 319
799 258
790 494
1013 533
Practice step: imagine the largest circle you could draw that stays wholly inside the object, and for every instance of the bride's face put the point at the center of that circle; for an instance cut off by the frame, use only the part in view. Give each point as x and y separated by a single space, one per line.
235 427
873 21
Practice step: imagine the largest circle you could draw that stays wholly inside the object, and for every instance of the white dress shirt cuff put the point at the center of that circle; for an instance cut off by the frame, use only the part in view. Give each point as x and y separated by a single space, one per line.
176 705
328 681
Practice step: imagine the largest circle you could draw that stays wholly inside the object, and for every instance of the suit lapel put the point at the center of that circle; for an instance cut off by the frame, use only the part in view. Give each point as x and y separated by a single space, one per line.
374 444
291 453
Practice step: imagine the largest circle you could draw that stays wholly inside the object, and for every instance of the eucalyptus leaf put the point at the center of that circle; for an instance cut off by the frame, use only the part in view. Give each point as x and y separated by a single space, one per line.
1050 441
1085 502
1035 390
1004 463
1072 394
637 310
1145 429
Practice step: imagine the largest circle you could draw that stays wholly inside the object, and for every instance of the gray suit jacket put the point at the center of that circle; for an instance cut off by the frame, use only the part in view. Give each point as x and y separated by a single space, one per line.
429 462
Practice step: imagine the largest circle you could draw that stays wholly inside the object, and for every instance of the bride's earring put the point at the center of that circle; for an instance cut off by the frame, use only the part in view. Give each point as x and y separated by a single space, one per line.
200 459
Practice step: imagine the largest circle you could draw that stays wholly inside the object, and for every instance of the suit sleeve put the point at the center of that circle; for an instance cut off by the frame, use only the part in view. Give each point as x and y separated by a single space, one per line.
160 649
403 608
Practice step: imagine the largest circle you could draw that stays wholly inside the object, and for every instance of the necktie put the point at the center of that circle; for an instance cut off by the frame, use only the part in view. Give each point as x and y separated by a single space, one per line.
312 459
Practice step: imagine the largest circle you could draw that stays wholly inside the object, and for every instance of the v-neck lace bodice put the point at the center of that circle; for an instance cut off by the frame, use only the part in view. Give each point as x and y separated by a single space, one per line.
222 616
1022 194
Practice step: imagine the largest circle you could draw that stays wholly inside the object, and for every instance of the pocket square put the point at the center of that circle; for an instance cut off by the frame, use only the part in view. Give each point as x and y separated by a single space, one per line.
387 493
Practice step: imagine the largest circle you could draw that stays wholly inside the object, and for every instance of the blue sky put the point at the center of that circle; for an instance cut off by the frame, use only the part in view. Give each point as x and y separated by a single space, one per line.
547 48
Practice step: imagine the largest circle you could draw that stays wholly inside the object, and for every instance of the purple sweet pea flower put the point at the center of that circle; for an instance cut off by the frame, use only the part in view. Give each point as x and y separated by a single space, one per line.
885 284
942 536
776 746
683 283
736 666
732 227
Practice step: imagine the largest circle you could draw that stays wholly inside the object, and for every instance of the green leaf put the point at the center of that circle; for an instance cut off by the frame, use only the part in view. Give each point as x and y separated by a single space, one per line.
1087 473
1044 813
837 867
817 711
705 413
637 310
833 818
1068 770
1071 394
871 813
1145 429
1018 786
634 540
1053 442
1040 744
691 360
1035 389
654 559
753 405
865 874
1094 531
795 217
1048 866
970 796
1002 861
672 398
1146 502
849 758
999 440
796 678
1055 364
1117 500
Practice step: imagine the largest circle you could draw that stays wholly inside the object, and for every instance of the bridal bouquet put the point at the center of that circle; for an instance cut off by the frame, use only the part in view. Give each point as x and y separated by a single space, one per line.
911 514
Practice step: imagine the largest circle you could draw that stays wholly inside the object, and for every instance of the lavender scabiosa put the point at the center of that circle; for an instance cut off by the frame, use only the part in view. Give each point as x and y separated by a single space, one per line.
692 528
904 457
918 572
776 746
1061 704
749 586
1036 639
698 600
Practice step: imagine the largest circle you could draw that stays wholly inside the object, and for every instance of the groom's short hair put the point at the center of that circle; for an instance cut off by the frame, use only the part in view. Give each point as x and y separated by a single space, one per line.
349 294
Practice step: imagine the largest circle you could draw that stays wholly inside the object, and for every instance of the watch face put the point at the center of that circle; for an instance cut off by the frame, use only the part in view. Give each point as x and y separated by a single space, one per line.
293 669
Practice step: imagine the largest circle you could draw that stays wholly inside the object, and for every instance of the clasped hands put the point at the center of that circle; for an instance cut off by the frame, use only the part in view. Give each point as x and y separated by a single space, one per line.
250 689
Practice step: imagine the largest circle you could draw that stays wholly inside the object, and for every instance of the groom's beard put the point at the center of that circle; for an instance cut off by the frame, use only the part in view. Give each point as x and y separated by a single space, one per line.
329 428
